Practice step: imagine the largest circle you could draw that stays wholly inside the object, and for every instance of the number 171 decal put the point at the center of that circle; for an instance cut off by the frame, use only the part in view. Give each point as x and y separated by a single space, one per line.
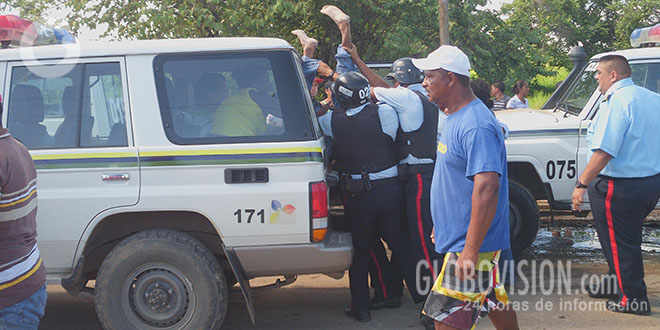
247 215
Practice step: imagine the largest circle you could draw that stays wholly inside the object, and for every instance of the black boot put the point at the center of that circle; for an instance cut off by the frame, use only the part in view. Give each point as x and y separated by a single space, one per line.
632 306
607 288
392 302
360 316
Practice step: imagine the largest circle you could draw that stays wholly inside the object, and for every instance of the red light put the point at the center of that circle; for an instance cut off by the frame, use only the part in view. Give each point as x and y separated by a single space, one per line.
319 191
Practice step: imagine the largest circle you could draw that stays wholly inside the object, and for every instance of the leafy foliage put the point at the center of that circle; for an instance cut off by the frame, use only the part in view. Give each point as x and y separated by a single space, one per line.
518 42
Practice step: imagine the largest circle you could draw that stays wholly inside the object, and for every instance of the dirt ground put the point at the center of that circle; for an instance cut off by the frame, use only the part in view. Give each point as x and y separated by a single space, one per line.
317 301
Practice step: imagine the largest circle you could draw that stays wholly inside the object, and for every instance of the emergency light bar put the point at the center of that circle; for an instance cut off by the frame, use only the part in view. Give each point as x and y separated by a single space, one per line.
647 35
21 32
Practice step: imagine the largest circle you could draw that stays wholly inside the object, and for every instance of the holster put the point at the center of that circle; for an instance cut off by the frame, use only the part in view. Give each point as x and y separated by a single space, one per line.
356 186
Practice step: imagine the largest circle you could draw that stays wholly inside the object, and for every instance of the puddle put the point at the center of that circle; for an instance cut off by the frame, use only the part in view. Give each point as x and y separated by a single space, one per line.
581 242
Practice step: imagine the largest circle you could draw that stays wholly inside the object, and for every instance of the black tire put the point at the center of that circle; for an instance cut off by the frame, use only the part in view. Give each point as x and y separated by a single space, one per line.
523 218
161 279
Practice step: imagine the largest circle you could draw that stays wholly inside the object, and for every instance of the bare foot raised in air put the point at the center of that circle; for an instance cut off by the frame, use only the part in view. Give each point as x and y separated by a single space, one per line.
336 14
342 20
309 44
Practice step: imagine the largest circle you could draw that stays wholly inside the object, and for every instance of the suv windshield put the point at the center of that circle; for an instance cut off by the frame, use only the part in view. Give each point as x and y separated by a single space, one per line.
646 75
581 90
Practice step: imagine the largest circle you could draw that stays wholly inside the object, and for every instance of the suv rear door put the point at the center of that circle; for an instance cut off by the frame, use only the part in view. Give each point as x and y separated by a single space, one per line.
240 144
73 117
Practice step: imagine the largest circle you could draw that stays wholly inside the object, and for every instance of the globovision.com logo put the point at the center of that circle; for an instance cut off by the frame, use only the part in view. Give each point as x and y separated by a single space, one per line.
540 285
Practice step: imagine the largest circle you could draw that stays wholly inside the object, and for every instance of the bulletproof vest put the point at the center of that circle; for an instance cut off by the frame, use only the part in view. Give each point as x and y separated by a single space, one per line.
360 145
421 143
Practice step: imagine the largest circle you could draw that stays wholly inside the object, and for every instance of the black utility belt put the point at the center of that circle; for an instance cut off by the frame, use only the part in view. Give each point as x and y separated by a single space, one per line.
362 184
412 169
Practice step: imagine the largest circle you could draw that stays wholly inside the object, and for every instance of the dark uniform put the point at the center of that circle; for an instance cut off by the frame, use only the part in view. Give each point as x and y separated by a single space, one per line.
416 146
366 159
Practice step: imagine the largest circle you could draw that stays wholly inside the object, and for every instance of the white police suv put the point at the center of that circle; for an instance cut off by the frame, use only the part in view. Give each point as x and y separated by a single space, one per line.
170 169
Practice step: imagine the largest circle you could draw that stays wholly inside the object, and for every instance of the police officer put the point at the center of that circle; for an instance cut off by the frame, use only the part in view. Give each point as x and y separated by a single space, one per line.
416 146
366 158
622 178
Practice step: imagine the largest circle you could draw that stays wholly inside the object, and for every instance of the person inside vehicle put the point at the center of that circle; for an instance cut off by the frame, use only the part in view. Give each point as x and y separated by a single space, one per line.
210 91
239 114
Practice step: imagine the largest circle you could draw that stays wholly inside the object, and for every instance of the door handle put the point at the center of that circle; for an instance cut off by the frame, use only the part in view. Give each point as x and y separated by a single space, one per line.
246 175
115 177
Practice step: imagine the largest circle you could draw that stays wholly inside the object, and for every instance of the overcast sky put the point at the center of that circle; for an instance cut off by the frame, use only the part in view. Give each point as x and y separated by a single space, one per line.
56 19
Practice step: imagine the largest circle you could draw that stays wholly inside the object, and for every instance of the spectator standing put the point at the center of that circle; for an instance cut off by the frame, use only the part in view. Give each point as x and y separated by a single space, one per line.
22 275
469 199
481 90
519 100
499 98
622 178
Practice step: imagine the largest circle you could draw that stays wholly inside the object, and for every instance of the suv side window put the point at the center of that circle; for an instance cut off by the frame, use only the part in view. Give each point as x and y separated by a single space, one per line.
230 98
647 75
104 122
67 106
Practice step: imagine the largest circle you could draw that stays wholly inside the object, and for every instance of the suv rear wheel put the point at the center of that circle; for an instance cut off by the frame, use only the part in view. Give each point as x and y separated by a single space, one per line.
161 279
523 218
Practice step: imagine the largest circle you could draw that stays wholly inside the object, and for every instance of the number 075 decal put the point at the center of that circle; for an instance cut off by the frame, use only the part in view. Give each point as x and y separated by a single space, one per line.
560 168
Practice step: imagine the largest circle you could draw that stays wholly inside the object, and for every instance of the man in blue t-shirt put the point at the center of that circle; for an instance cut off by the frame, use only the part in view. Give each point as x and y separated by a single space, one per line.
469 199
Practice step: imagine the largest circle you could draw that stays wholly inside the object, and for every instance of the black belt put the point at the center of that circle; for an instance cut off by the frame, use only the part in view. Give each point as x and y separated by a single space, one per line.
413 169
362 184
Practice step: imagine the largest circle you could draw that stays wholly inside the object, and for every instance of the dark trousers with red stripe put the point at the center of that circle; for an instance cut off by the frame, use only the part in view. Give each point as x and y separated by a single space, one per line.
619 207
417 205
374 214
378 262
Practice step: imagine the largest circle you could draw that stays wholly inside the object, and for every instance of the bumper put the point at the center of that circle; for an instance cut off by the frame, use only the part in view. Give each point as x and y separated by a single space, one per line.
334 254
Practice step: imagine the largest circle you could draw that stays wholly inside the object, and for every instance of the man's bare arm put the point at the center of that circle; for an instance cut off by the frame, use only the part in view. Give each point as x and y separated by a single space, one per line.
484 204
597 163
374 79
485 195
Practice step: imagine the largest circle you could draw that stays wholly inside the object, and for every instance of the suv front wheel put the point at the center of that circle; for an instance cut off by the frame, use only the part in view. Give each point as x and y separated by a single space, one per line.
523 218
161 279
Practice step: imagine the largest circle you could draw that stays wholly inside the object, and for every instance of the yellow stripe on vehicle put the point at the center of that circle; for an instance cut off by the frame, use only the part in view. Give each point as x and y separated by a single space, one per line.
228 151
83 155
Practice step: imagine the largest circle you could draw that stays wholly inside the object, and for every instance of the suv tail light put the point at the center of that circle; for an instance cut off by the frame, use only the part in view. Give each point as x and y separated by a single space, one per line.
318 197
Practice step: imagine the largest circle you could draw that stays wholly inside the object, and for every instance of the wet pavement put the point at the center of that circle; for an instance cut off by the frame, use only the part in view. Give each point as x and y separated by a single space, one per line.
568 237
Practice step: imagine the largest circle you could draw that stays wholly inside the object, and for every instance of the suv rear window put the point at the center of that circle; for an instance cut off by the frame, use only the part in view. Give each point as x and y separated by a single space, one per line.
232 98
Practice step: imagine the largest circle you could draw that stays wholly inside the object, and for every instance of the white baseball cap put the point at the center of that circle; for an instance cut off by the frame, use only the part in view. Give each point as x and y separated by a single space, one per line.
446 57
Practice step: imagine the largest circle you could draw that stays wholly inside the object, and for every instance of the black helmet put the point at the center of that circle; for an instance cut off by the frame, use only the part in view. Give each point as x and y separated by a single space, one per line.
405 72
351 90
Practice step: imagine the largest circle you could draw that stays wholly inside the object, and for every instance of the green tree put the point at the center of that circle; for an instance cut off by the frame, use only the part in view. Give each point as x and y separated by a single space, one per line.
383 30
633 14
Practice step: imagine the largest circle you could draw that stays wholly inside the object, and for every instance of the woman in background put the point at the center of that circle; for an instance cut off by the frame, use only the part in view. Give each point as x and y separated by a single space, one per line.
519 100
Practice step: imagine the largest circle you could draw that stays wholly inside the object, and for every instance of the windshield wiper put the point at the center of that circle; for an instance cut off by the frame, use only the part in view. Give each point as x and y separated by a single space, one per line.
567 108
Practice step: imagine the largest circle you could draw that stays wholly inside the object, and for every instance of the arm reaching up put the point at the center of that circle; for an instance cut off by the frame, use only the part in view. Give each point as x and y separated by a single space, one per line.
374 79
